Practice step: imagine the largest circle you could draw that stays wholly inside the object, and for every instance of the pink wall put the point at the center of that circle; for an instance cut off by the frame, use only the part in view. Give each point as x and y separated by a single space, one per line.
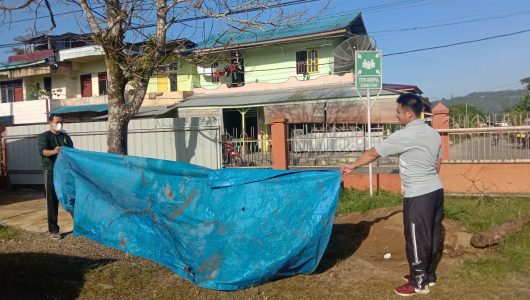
486 178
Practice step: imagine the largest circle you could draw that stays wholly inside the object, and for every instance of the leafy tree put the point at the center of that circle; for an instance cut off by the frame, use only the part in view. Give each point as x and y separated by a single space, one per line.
465 117
524 105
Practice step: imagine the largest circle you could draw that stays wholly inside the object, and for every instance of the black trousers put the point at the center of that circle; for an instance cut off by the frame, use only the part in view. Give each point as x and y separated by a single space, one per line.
52 201
422 220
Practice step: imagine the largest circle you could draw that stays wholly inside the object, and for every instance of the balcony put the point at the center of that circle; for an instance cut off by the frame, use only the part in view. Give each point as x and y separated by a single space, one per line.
80 52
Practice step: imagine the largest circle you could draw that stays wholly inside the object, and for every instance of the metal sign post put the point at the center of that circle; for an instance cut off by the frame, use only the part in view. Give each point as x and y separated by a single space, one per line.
369 75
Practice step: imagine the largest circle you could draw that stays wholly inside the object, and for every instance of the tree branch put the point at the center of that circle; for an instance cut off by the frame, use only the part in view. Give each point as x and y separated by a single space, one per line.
52 18
23 5
90 17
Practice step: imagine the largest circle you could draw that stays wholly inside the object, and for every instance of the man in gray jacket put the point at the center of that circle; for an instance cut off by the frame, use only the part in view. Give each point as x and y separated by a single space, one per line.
418 146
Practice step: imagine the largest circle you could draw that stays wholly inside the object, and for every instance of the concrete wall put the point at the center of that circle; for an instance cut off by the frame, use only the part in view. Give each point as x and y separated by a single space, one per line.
25 112
69 86
277 63
187 77
472 178
496 178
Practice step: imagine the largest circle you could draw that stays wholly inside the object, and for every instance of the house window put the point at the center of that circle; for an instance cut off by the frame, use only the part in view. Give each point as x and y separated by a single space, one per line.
307 61
86 85
312 61
173 82
11 91
301 62
102 81
48 85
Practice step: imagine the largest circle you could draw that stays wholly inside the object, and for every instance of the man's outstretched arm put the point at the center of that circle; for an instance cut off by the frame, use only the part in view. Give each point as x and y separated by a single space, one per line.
367 157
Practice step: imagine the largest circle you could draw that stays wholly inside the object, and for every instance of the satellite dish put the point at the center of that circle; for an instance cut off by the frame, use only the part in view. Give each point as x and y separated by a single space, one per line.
344 53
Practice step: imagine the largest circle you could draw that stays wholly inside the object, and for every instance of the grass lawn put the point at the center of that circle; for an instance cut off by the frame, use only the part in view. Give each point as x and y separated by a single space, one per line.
7 232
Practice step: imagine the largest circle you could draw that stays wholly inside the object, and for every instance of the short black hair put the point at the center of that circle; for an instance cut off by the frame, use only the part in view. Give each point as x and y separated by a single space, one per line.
412 101
50 117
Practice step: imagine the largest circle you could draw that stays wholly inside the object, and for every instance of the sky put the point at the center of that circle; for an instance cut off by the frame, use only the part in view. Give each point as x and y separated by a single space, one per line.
398 26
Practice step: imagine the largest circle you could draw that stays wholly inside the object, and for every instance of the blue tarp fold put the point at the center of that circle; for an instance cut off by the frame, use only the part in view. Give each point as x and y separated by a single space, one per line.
221 229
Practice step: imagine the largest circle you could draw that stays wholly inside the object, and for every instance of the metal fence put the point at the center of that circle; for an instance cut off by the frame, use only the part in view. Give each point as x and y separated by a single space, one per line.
490 138
193 140
317 145
495 144
490 120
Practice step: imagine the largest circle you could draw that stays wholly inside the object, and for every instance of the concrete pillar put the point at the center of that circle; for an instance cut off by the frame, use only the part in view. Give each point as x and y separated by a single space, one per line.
440 120
280 150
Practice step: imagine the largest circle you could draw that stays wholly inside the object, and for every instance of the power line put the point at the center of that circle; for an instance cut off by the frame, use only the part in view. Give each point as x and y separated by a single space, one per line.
278 5
459 43
502 16
289 3
47 17
235 12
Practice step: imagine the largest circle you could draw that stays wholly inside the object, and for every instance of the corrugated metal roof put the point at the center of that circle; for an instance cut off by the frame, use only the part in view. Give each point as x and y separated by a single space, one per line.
317 25
20 64
32 56
281 96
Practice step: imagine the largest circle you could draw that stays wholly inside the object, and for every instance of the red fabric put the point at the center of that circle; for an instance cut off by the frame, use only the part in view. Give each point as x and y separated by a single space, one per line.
218 74
232 68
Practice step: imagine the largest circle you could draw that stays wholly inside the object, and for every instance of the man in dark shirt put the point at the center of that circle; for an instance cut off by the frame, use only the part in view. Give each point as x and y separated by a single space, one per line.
49 144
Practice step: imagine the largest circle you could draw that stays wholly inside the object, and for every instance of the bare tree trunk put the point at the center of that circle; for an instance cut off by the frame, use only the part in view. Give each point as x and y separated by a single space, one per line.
117 130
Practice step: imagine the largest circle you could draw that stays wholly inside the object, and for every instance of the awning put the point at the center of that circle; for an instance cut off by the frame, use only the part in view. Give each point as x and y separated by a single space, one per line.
97 108
151 111
318 93
18 65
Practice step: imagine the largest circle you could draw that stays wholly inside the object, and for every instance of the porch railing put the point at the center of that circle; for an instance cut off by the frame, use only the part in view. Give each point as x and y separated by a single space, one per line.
246 153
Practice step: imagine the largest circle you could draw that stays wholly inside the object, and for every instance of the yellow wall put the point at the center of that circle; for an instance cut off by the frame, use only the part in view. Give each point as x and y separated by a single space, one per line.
186 78
158 84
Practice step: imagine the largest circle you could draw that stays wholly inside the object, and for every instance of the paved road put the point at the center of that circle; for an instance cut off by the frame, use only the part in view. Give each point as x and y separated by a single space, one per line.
26 209
484 148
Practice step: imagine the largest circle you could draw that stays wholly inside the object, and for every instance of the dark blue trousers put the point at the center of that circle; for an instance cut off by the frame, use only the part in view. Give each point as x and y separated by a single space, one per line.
422 220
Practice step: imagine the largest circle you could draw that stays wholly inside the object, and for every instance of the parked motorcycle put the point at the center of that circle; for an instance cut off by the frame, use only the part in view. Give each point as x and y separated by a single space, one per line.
231 156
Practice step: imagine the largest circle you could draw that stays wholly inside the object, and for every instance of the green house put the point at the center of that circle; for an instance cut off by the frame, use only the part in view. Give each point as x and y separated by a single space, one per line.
247 78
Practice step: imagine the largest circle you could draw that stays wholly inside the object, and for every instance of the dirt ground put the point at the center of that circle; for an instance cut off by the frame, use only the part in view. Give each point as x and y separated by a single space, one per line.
353 267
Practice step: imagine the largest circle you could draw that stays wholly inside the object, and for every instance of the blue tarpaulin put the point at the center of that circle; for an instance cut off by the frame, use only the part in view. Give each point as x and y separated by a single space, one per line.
221 229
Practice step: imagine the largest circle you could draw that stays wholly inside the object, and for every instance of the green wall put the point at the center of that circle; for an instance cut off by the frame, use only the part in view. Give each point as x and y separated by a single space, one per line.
277 63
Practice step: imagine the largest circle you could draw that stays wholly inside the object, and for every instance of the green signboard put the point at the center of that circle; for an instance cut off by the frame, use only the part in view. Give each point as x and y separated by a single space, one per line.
368 70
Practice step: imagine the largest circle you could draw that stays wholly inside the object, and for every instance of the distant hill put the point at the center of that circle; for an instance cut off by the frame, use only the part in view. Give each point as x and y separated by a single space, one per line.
488 102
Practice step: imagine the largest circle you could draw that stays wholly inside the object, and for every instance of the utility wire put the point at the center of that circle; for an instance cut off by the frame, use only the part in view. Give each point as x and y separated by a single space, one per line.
46 17
282 4
453 23
459 43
